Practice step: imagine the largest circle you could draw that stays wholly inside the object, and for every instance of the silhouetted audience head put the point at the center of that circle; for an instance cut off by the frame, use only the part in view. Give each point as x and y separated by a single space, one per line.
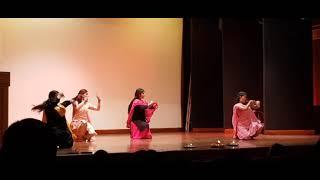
147 156
101 156
28 141
277 150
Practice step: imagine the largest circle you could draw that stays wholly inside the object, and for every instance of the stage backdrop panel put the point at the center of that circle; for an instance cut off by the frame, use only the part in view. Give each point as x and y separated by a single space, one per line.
108 57
287 74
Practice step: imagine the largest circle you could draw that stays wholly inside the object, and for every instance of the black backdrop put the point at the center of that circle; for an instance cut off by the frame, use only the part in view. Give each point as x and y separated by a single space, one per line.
271 59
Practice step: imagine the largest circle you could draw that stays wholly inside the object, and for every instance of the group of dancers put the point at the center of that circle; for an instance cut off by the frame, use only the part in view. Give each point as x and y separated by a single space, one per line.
245 123
81 128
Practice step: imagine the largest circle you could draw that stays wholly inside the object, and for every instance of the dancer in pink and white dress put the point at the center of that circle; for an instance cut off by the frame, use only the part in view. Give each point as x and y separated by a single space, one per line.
81 124
245 123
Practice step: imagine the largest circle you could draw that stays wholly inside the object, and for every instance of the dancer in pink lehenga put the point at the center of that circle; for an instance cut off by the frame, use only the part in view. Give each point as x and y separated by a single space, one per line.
139 115
245 123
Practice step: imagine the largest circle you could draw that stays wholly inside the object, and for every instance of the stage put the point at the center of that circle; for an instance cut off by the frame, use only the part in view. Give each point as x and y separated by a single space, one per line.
175 142
294 152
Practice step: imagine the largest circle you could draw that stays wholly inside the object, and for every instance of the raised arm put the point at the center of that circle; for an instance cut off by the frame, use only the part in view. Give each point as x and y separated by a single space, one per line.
96 108
247 106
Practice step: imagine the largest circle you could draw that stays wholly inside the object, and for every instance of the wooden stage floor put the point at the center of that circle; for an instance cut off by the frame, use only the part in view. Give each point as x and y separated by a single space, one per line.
163 142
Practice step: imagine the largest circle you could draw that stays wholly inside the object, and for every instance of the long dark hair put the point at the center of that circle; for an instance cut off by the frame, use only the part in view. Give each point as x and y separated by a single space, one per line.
239 95
81 92
52 100
137 94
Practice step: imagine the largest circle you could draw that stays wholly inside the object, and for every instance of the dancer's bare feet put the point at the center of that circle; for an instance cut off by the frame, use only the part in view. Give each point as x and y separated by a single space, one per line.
92 139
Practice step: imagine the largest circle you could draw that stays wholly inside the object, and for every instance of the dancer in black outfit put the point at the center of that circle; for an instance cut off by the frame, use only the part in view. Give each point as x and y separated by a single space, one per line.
54 117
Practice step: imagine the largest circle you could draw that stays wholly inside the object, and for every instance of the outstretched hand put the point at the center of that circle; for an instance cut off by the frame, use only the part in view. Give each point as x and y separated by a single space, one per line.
251 102
153 104
98 98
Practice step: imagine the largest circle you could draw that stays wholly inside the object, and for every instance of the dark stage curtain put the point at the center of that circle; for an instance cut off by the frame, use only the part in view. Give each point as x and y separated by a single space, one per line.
316 71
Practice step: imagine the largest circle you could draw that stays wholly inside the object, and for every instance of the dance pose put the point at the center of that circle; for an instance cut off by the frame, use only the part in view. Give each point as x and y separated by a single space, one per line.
139 115
54 117
81 124
245 123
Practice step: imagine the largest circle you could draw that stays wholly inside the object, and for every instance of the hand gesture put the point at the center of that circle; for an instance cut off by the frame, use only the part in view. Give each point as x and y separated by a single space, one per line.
251 102
98 98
